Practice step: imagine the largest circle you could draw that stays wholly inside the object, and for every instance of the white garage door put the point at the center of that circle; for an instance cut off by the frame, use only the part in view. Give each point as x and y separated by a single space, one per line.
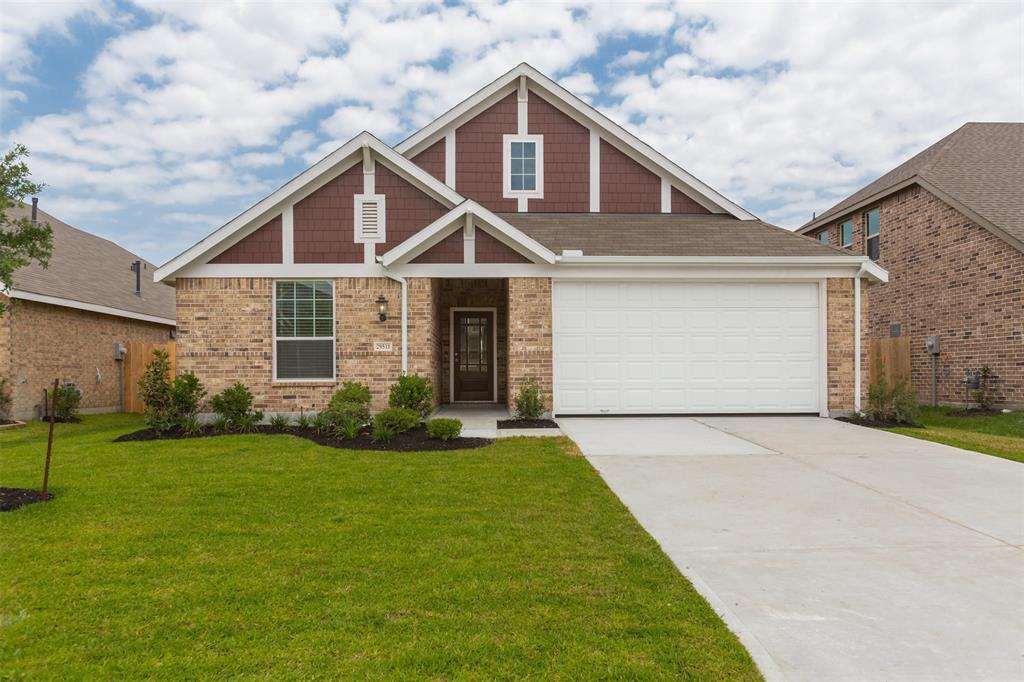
676 347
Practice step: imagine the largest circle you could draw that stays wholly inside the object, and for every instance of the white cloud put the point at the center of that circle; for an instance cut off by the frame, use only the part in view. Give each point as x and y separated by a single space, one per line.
72 209
23 22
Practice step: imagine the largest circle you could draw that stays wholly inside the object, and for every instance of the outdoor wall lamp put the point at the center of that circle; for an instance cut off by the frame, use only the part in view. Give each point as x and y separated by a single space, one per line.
382 308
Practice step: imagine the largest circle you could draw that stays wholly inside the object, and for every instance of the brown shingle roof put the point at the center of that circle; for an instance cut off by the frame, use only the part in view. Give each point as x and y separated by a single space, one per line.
979 165
664 234
90 269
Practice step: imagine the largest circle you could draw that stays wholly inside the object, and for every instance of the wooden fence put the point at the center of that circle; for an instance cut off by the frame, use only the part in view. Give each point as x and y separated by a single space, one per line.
890 360
135 361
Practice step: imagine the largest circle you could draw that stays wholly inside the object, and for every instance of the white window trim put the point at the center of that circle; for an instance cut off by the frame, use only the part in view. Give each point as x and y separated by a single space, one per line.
506 167
358 200
845 244
825 234
334 332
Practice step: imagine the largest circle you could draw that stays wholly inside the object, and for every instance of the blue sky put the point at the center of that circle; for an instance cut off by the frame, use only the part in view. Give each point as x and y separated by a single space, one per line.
153 123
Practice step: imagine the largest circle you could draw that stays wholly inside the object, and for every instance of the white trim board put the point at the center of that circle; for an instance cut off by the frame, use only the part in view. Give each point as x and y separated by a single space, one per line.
451 354
90 307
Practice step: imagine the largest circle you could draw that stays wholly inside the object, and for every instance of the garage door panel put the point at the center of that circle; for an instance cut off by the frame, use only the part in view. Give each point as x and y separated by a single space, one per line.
674 347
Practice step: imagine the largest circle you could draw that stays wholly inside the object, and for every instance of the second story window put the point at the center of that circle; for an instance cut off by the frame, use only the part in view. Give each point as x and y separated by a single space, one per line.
846 234
873 226
523 166
823 236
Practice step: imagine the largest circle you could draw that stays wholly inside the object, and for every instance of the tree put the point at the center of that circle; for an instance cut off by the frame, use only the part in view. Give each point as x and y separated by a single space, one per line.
21 240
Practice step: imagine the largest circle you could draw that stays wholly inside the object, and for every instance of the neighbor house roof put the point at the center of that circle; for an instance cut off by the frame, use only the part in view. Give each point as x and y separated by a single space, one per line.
664 234
978 169
91 273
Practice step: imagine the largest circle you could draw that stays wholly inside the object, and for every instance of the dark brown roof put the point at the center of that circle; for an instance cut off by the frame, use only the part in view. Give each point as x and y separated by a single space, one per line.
979 165
90 269
664 234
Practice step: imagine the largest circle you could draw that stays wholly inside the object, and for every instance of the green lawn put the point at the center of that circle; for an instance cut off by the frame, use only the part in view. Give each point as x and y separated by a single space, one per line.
276 558
1001 435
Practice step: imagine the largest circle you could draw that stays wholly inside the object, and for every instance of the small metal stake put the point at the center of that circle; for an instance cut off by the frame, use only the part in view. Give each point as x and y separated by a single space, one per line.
49 442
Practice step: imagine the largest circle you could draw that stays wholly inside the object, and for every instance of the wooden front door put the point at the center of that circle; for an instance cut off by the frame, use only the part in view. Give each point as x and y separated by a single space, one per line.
473 355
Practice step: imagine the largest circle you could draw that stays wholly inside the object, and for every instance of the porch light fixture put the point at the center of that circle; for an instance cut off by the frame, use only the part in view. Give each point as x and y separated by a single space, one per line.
382 308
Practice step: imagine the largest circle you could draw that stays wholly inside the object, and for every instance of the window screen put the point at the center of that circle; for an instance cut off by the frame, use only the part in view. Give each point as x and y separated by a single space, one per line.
304 328
524 166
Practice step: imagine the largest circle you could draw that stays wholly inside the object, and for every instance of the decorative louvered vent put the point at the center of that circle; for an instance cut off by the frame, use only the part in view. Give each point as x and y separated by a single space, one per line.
369 218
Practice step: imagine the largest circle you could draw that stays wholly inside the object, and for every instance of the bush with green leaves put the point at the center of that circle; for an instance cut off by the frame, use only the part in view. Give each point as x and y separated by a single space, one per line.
348 411
234 406
892 403
303 422
983 394
529 401
169 404
69 397
352 392
5 400
412 392
320 423
280 423
444 428
395 420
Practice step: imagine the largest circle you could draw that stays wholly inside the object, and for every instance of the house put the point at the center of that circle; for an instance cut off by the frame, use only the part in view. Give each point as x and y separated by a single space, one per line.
948 226
66 319
521 235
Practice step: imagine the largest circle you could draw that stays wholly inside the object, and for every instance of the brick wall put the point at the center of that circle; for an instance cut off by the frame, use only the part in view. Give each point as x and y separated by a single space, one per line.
529 335
684 204
478 154
261 246
951 277
470 293
225 335
5 343
45 342
626 186
323 227
408 210
431 159
566 158
840 332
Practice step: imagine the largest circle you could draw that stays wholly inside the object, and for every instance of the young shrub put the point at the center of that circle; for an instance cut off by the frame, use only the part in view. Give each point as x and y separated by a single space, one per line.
155 391
393 421
352 392
412 392
346 419
529 401
982 395
5 400
302 422
186 395
904 404
234 405
220 424
280 423
68 400
444 429
880 401
191 426
320 423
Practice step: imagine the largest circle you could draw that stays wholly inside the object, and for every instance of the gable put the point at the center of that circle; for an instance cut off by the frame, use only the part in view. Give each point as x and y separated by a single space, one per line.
566 158
478 154
432 159
324 222
262 246
409 209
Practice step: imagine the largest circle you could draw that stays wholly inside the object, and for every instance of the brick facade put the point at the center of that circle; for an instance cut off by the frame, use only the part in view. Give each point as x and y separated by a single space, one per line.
529 335
566 159
626 186
840 336
478 154
947 276
261 246
41 342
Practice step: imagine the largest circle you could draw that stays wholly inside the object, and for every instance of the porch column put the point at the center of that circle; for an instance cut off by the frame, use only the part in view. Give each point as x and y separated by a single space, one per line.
529 335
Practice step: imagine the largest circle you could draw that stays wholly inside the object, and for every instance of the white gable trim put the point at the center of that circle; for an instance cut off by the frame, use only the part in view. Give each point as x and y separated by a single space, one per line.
450 222
301 186
572 105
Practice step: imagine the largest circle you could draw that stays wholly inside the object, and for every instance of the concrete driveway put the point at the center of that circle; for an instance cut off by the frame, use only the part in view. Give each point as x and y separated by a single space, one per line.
835 552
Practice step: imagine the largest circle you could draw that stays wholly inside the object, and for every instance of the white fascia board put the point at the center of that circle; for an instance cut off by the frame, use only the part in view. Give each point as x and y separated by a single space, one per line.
295 188
426 238
854 263
91 307
578 109
510 235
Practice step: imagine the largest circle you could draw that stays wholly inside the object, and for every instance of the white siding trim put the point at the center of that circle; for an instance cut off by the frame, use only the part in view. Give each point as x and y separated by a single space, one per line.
856 342
666 196
288 235
469 241
595 171
449 158
823 345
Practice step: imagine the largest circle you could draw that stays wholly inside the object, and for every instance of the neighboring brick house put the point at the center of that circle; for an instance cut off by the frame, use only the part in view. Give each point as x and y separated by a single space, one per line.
522 235
948 226
65 320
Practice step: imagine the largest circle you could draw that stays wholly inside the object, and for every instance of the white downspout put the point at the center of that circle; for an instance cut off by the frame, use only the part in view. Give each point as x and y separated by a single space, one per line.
856 343
405 317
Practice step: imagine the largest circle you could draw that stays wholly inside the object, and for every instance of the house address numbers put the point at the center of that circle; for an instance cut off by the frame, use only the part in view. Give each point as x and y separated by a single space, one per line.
381 346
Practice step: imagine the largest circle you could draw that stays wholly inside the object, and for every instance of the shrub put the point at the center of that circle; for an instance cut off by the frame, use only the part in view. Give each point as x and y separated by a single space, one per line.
346 419
352 392
982 395
281 423
302 422
169 404
5 400
191 426
894 403
220 423
444 429
529 401
68 400
412 392
320 423
393 421
234 405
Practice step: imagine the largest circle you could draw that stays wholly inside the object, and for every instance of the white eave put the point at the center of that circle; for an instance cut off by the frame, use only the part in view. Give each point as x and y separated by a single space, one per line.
91 307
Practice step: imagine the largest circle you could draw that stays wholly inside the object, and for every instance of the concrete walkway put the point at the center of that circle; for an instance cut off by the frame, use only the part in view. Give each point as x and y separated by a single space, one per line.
834 551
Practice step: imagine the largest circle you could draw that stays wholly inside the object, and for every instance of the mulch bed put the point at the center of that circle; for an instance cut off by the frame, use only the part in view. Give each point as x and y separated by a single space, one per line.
12 498
875 424
526 424
410 441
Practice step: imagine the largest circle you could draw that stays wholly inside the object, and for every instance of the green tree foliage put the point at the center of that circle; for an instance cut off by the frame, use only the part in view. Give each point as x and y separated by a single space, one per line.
21 240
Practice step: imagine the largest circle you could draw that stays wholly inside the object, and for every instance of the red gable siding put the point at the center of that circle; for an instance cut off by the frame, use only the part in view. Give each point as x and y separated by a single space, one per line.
684 204
262 246
626 186
323 222
490 250
566 159
407 209
448 250
431 159
478 154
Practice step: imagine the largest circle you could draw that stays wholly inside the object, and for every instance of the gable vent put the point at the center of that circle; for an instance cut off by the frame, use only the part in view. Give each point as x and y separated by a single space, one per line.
369 218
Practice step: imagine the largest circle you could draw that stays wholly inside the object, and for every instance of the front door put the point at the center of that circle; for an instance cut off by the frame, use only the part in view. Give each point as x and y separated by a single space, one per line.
473 356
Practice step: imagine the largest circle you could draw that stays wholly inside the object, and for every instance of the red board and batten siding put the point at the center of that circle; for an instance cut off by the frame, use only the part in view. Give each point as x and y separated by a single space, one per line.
478 154
262 246
323 222
566 159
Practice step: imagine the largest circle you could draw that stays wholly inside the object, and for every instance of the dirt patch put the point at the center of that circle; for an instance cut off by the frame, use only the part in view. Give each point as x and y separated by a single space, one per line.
12 498
875 424
410 441
527 424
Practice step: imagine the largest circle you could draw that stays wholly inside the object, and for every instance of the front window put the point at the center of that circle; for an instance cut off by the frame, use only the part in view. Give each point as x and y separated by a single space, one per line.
304 330
873 226
846 233
823 237
524 166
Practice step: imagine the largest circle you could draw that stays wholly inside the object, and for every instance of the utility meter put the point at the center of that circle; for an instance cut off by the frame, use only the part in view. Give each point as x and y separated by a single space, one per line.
119 351
932 344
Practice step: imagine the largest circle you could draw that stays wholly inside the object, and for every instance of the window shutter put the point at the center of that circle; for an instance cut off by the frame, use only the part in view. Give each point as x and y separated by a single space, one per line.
369 218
